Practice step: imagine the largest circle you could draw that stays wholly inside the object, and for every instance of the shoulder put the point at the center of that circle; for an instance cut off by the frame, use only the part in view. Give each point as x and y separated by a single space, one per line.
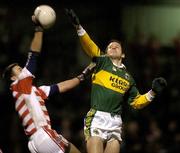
102 61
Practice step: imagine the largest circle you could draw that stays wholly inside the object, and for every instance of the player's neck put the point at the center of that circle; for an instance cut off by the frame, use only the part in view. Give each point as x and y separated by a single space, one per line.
117 62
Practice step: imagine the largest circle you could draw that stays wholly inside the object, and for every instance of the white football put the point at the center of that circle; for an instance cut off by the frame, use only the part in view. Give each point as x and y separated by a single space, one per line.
46 15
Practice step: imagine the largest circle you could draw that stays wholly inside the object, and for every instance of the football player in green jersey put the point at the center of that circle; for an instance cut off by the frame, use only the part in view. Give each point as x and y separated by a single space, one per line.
111 83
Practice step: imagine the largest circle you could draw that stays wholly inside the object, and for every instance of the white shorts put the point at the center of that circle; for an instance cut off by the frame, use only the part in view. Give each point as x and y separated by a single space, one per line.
102 124
47 141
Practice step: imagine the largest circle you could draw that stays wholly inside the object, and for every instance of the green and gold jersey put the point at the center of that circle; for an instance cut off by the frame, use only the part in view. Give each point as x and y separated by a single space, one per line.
110 84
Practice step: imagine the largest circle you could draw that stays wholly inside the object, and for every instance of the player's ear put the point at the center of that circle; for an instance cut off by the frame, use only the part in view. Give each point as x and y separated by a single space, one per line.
123 55
13 78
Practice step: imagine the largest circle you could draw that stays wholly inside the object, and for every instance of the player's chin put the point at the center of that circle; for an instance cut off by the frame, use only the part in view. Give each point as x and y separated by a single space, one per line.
114 56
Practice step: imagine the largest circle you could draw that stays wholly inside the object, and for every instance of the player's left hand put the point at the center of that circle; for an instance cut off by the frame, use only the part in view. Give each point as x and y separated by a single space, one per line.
158 85
87 72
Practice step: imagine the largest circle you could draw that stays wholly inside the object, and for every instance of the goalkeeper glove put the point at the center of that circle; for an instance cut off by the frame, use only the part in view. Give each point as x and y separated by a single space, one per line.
87 72
72 17
158 85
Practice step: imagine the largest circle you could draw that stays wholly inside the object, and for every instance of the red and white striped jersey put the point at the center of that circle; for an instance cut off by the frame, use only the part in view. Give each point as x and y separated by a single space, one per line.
30 103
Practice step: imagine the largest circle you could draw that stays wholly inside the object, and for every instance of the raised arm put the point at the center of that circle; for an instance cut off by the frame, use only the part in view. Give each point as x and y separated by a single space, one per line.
37 40
36 43
35 48
87 43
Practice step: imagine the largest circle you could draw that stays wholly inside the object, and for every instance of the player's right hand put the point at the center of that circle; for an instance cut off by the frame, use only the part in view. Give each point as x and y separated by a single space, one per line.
87 72
35 21
38 27
72 17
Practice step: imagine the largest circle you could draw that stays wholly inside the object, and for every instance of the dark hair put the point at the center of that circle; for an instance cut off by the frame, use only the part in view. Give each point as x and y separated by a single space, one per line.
8 71
119 42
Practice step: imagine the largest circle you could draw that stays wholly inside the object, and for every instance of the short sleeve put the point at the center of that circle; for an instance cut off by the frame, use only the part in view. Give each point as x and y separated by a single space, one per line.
44 91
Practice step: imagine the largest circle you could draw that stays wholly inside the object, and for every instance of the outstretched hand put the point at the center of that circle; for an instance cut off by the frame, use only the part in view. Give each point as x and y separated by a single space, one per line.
87 72
72 17
158 85
38 26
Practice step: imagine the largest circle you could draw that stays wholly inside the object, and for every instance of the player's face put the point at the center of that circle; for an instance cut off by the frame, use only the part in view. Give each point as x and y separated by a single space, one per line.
114 50
16 70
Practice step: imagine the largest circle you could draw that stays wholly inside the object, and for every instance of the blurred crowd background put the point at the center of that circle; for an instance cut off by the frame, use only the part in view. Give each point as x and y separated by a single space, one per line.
149 54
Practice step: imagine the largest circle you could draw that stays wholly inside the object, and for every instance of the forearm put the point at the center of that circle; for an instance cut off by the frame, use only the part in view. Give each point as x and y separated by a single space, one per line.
68 84
36 43
143 100
88 45
32 61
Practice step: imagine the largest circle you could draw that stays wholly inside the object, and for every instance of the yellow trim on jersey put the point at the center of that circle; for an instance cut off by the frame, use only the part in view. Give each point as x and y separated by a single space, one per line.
140 102
111 81
89 46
